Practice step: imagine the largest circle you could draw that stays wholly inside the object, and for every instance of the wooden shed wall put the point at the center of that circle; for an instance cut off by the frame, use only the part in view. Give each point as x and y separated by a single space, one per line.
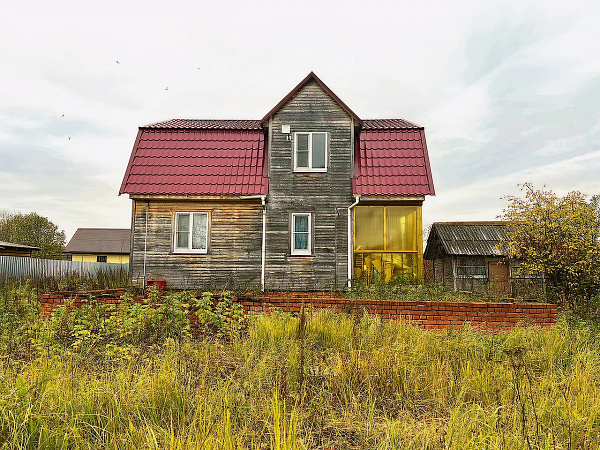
234 247
325 195
22 253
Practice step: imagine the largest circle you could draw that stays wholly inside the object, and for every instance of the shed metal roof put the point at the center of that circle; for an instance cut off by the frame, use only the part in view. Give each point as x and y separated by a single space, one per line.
467 238
17 246
100 240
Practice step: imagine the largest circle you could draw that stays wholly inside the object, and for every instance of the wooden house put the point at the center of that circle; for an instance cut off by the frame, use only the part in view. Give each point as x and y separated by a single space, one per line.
467 256
10 249
111 245
305 198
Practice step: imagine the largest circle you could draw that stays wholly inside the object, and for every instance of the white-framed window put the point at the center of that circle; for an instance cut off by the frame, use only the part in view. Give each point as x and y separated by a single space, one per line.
191 232
301 233
310 152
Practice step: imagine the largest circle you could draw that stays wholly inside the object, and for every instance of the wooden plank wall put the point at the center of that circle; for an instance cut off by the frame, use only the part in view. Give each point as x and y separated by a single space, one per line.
325 195
234 248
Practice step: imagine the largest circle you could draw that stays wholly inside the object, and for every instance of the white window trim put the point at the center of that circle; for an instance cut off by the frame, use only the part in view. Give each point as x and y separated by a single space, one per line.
309 168
191 227
301 251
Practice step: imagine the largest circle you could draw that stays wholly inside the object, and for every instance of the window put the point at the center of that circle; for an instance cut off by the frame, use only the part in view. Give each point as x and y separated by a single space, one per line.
470 267
101 258
191 232
310 152
386 242
301 234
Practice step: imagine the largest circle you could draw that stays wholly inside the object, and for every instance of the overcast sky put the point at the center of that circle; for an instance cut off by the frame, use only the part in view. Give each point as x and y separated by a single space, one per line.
508 92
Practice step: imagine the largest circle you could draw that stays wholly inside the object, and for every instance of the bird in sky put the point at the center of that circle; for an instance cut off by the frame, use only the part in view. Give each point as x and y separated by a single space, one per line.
118 62
167 88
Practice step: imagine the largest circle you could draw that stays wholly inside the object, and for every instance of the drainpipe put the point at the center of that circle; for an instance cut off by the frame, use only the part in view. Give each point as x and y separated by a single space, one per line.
356 200
264 242
145 245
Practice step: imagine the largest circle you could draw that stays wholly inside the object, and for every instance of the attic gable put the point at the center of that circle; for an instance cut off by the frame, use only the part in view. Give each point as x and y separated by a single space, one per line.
310 78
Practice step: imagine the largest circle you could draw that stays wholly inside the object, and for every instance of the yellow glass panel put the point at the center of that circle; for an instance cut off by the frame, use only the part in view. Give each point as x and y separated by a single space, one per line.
368 227
401 228
374 267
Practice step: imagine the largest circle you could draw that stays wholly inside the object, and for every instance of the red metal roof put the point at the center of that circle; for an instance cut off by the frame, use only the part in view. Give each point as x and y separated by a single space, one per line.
388 124
197 160
209 124
391 159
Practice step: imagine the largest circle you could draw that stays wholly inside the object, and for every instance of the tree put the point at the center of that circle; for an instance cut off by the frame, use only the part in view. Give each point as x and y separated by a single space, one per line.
557 237
34 230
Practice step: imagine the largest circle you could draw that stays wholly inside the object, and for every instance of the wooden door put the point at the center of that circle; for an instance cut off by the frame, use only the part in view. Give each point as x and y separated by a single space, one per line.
498 271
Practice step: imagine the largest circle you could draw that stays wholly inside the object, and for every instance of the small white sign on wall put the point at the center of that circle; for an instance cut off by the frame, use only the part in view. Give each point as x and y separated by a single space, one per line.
285 129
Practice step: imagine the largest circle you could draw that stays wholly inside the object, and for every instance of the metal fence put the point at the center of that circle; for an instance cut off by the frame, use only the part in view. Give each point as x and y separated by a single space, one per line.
19 268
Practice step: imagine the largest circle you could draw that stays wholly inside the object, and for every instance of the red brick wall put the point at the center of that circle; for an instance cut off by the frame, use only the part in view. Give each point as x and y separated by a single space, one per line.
50 302
426 314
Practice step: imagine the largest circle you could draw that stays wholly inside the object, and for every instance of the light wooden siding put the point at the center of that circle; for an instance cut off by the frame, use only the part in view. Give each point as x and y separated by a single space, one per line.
93 257
325 195
234 245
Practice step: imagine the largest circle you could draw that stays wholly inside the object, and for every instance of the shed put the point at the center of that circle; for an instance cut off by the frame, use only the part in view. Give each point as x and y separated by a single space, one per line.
10 249
467 256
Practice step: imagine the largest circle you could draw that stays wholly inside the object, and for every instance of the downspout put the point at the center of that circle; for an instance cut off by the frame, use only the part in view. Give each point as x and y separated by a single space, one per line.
145 245
264 243
356 200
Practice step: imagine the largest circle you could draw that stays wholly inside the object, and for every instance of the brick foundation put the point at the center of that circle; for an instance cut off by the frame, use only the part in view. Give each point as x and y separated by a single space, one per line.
491 316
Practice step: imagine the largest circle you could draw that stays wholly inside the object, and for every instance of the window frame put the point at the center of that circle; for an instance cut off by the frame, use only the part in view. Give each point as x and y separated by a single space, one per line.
301 251
188 249
310 151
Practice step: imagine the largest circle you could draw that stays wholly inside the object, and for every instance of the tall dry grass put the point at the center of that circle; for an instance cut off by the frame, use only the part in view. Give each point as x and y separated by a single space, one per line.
335 382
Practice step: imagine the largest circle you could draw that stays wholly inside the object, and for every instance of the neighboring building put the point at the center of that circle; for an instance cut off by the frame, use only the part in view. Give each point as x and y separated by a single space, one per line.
467 256
305 198
100 245
10 249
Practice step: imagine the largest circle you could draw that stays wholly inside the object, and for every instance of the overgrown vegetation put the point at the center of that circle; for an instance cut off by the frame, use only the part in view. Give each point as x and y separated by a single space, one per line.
135 379
558 240
33 230
408 289
113 278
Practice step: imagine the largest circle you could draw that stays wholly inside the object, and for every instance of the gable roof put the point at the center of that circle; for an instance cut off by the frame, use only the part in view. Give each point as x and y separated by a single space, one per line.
310 77
100 240
466 238
229 157
10 245
198 157
391 159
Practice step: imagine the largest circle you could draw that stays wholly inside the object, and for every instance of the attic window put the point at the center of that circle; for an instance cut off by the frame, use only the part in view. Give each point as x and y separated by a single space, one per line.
191 232
310 152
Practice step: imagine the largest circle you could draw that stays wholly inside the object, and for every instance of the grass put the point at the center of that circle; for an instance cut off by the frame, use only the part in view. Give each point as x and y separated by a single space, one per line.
334 382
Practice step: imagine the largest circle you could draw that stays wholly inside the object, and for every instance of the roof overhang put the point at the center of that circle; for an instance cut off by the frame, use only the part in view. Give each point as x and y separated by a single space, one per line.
196 197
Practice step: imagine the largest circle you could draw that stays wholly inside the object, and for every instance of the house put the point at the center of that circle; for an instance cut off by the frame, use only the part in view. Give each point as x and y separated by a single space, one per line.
110 245
305 198
468 256
10 249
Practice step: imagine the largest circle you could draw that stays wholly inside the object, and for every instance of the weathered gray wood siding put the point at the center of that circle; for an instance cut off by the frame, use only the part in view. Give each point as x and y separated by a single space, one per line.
234 245
325 195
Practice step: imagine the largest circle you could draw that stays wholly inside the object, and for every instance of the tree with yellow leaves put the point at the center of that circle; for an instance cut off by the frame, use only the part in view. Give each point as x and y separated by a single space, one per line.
556 238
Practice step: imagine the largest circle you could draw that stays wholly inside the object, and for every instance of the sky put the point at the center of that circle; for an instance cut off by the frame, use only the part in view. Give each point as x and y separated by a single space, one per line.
508 91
